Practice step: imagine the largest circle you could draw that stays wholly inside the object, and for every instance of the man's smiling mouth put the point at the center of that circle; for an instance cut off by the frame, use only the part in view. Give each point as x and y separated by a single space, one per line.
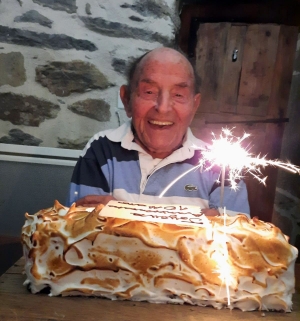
161 123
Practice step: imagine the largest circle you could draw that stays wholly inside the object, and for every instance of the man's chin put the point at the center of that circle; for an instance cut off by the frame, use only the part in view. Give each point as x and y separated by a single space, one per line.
161 151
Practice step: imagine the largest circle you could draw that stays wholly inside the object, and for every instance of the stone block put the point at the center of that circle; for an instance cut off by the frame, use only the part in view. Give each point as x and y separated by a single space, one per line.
12 71
64 78
121 30
34 17
92 108
43 40
154 8
18 137
77 144
62 5
120 65
26 110
88 9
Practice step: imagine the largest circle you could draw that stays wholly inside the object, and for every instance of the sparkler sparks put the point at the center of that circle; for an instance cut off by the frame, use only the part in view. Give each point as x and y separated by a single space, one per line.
227 152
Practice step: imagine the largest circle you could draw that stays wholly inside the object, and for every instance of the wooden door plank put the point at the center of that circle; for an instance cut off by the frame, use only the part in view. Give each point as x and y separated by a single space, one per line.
204 124
209 63
283 72
232 69
271 144
258 69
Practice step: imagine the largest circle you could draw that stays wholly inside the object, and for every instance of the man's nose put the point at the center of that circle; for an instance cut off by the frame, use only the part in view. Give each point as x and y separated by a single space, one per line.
163 104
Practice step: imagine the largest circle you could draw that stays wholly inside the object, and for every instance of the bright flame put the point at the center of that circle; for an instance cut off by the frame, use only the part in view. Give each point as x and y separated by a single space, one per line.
228 152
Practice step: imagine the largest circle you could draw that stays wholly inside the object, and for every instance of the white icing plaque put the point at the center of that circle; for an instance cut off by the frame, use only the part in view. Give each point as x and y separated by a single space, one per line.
161 213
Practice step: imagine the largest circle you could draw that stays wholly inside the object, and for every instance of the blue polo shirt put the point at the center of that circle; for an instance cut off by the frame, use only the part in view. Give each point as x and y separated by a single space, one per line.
113 164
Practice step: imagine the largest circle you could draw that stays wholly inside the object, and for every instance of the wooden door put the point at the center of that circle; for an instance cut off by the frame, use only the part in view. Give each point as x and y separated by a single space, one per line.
249 94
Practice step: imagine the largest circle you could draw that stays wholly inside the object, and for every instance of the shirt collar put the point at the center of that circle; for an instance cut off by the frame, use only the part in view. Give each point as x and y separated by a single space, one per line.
124 135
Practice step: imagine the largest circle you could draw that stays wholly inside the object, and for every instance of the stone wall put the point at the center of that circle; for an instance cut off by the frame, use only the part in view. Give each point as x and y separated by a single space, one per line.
287 202
62 63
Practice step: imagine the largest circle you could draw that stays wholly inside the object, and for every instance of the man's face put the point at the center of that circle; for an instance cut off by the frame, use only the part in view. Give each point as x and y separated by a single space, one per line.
162 103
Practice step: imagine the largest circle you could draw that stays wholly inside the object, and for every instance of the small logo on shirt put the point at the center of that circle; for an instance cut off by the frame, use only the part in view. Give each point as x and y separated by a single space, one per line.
190 187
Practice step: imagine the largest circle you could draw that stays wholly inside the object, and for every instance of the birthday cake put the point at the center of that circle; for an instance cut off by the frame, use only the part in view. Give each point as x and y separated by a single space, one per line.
160 254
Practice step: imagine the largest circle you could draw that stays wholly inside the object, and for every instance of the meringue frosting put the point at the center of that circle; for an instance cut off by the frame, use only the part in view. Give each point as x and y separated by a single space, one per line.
160 254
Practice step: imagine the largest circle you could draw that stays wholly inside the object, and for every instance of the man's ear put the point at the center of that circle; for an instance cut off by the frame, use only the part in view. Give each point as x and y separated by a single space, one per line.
197 100
125 97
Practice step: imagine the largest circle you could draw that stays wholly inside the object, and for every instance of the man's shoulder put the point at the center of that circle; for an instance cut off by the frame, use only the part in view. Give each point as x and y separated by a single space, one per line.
108 136
95 140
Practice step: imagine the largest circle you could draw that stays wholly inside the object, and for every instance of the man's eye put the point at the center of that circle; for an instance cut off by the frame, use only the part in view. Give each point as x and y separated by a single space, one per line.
178 95
149 94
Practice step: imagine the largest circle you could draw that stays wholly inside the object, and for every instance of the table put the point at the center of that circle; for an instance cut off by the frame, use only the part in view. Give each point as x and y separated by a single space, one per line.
17 304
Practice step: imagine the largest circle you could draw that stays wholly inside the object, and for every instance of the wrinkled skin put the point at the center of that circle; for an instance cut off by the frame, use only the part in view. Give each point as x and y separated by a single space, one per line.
162 101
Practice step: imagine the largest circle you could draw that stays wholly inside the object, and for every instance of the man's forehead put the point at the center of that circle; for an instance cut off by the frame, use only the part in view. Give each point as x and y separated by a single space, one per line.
165 61
177 67
165 58
162 53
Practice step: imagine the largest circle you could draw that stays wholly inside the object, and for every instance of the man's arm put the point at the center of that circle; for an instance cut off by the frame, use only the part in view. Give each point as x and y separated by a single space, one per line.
210 212
87 179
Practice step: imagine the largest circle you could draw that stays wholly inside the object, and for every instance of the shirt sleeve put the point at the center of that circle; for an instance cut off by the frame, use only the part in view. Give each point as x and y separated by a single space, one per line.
88 179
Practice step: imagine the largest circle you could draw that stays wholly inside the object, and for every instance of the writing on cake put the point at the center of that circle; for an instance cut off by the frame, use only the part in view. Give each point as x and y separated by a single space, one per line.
165 213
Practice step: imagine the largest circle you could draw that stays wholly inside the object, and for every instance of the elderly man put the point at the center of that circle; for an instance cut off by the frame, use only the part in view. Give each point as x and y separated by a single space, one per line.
136 161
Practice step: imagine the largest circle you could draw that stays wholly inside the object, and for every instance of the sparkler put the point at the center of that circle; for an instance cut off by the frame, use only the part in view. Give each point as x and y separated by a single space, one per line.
227 153
227 270
222 260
